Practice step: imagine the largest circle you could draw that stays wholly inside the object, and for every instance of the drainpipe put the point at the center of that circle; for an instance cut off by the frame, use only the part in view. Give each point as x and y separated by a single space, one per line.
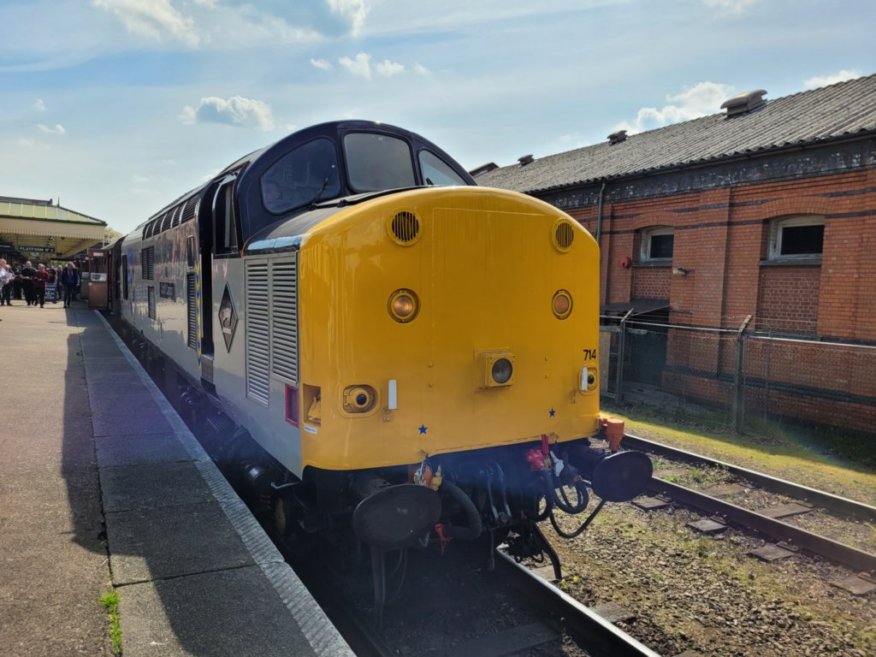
599 215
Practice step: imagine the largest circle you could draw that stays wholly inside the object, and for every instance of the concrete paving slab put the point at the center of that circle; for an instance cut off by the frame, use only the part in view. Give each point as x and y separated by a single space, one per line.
152 486
127 449
771 552
172 541
42 490
231 612
71 628
707 526
149 421
65 565
649 503
855 585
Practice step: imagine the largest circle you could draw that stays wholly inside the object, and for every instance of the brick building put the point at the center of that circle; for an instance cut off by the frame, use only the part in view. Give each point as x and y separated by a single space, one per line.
766 209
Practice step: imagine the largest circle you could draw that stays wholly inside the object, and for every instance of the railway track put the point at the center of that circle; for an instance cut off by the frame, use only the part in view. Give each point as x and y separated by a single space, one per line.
777 530
511 611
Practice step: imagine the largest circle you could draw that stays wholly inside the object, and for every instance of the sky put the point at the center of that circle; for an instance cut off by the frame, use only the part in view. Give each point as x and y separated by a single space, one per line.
116 107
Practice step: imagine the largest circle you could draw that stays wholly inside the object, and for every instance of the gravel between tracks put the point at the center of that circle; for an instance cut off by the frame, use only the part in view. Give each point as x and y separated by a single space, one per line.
691 592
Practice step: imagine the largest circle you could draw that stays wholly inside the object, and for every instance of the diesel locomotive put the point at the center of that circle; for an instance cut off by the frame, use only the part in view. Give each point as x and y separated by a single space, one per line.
414 356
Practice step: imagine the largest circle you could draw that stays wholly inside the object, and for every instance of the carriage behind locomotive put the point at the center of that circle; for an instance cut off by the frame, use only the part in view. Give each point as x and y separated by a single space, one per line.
398 349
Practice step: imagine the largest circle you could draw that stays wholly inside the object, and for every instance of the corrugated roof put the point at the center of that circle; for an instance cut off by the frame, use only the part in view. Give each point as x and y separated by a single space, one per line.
834 112
28 208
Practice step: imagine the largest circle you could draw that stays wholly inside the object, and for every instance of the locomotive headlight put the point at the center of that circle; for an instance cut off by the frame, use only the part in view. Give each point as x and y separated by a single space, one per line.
502 371
562 304
403 305
498 369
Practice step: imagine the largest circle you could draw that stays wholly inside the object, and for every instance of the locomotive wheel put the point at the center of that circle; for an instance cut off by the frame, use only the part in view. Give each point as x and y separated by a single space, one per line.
283 515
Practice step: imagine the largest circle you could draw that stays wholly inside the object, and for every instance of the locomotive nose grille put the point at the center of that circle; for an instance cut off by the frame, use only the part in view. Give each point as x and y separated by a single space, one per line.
405 227
564 235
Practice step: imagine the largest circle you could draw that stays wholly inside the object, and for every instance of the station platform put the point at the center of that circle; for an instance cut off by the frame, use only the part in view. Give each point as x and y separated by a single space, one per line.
103 488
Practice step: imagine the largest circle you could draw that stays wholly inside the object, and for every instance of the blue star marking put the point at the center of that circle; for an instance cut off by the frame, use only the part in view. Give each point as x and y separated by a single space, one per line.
552 412
423 429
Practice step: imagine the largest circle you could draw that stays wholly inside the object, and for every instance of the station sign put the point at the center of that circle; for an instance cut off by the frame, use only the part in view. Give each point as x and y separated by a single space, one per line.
37 249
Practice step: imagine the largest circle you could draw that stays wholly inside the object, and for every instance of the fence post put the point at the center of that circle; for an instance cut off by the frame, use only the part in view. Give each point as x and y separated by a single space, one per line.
739 391
621 343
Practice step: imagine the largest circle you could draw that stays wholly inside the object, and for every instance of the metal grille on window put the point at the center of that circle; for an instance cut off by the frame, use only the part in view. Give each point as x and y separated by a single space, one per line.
258 336
150 292
284 315
192 311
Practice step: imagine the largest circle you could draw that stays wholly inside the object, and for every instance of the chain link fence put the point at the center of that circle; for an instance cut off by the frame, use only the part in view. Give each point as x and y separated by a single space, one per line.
746 373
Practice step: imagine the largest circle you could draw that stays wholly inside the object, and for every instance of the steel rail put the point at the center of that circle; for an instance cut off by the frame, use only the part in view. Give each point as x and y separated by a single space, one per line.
844 555
598 636
835 503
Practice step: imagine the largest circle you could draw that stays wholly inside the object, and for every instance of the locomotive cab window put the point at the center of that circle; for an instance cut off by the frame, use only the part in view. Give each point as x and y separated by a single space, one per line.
225 222
376 162
306 175
437 172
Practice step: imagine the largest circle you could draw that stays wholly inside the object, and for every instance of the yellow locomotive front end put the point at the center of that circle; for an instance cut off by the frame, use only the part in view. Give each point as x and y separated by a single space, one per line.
445 320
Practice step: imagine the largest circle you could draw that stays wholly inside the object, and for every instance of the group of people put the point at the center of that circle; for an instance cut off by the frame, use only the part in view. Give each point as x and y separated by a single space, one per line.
30 284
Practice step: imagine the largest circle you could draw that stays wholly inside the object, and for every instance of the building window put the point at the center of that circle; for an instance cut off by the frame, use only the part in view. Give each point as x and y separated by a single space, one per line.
656 245
796 238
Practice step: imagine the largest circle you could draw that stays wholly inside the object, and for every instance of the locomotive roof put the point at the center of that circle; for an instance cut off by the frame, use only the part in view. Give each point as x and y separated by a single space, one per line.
330 129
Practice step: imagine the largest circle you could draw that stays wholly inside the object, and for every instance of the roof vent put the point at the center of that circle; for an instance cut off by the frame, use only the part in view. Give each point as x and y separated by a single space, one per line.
484 168
744 103
617 137
526 159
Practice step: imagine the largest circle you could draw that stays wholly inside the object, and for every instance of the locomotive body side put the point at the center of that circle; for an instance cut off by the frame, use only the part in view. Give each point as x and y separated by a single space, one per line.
157 279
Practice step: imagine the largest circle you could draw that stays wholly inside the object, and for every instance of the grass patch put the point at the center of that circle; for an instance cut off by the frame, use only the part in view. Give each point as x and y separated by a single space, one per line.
110 602
837 460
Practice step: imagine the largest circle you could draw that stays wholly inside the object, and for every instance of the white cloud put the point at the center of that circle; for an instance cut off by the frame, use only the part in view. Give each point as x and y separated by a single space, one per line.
388 68
832 78
56 129
321 64
693 102
209 4
360 66
419 69
354 11
736 6
155 19
39 105
236 111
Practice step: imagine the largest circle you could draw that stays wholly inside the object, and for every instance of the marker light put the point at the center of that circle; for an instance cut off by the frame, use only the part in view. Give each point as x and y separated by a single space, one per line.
562 304
403 305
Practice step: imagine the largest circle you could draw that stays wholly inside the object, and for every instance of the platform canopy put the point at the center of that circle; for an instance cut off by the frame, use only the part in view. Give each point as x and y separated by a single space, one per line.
44 231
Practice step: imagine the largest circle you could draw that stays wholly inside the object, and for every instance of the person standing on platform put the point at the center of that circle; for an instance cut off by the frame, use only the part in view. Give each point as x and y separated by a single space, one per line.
40 280
27 275
58 287
69 279
51 289
6 278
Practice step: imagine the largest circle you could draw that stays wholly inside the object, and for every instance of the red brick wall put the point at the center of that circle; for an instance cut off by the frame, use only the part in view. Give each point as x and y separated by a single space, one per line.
651 282
788 300
721 238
